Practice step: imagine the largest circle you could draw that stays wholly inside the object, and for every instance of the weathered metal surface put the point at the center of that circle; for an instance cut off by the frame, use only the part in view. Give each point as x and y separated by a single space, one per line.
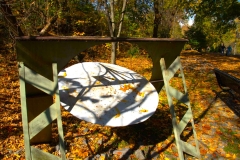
178 128
38 112
37 89
42 120
31 77
107 94
58 112
24 111
39 52
95 38
39 104
38 154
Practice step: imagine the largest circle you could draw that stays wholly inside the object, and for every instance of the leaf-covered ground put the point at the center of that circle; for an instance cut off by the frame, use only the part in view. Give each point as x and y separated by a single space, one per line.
217 127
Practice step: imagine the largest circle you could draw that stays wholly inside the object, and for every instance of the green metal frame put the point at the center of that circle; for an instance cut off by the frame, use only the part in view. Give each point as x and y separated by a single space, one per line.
32 127
178 128
40 58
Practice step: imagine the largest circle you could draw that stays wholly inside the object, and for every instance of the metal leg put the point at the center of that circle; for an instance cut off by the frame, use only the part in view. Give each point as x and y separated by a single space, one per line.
38 123
178 128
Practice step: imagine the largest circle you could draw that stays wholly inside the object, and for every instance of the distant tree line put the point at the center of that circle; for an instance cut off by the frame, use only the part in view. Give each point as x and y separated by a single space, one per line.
139 18
216 21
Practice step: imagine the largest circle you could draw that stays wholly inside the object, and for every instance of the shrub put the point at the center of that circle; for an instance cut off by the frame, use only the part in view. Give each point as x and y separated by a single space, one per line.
133 51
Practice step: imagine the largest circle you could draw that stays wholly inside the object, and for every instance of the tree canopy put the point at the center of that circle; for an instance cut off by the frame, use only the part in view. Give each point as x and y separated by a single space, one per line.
142 18
213 19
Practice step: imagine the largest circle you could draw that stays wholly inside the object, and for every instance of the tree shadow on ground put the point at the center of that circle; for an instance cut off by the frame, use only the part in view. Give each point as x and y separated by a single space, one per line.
232 102
146 134
214 60
149 133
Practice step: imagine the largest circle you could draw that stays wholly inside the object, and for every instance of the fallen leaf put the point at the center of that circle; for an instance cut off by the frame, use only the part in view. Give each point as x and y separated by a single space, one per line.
143 110
65 87
206 126
118 113
237 135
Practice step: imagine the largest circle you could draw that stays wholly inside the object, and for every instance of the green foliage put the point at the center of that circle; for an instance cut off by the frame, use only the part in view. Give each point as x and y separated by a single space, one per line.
4 38
187 47
138 19
232 146
214 20
87 17
197 39
207 31
79 18
232 37
176 31
220 14
167 14
74 16
133 51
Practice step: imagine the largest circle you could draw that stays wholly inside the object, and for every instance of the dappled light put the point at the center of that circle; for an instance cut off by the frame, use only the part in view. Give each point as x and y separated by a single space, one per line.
216 124
192 115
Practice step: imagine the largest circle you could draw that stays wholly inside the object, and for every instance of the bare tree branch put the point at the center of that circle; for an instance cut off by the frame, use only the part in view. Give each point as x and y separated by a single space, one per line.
46 28
122 16
10 19
112 26
112 17
108 18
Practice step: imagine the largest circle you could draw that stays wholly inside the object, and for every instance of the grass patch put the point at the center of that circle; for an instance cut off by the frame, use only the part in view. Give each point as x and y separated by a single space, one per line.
232 141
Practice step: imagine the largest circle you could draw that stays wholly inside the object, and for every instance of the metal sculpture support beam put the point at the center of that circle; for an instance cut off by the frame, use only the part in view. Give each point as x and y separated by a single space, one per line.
178 127
42 57
42 114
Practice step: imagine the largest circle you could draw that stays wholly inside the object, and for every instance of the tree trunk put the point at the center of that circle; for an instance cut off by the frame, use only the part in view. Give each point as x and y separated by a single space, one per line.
122 16
45 29
112 16
108 18
157 19
112 25
10 19
113 52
